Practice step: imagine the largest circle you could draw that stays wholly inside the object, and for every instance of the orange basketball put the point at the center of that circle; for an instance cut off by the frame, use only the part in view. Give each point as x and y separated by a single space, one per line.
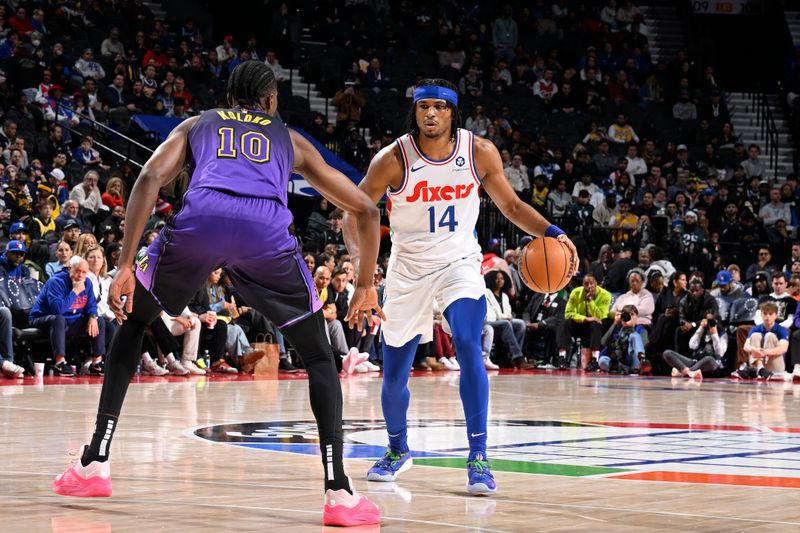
544 265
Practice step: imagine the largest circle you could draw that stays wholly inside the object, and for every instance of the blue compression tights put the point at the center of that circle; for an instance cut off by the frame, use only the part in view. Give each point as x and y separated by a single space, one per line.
465 317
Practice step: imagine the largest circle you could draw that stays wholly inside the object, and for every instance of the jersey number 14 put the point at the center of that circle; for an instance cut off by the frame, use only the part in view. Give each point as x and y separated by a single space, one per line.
448 219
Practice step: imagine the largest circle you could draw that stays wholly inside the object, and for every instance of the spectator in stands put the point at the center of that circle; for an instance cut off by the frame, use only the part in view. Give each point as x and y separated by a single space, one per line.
349 103
155 56
333 235
753 166
692 309
586 308
585 184
517 176
477 122
638 296
624 222
604 160
547 167
17 197
70 234
684 109
636 165
621 132
87 193
761 285
499 315
615 279
20 23
118 96
539 193
66 307
786 305
111 45
471 83
88 67
726 292
63 255
559 200
12 261
545 88
7 366
544 317
43 223
101 282
767 343
326 295
213 332
272 61
317 222
115 193
624 344
87 156
505 34
227 52
708 346
178 109
69 213
85 241
775 210
16 148
377 79
689 241
606 211
763 262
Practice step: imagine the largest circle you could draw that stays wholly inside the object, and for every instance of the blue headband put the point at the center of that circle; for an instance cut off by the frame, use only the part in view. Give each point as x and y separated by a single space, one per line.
434 91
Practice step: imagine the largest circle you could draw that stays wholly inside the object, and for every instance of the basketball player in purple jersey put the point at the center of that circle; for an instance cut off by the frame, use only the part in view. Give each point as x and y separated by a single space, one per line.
235 215
432 176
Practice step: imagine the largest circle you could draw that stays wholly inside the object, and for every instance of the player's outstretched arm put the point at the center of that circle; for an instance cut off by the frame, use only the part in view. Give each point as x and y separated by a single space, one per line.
336 187
490 169
385 169
162 167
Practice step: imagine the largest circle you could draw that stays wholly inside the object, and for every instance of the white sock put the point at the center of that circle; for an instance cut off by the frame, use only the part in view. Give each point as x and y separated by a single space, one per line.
170 358
797 368
86 364
596 354
562 353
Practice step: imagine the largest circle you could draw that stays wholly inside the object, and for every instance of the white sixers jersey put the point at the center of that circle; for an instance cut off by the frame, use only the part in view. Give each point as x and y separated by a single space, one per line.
433 214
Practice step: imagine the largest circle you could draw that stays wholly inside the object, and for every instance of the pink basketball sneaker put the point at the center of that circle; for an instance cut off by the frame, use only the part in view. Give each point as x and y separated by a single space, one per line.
92 481
345 509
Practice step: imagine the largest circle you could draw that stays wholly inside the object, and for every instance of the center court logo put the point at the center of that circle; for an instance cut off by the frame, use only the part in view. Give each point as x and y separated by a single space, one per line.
619 450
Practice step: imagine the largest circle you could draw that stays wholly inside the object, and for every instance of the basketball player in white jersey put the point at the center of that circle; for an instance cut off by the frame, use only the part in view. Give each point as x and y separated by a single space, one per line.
432 177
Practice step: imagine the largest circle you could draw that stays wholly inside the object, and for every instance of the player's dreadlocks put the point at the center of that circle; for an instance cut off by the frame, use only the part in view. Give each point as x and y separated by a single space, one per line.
249 82
411 121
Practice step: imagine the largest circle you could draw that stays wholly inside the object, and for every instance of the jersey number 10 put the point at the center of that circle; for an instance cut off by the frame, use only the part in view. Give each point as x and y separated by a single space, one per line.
448 219
253 144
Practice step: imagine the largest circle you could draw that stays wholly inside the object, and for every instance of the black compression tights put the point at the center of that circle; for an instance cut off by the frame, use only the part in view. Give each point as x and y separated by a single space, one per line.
325 393
307 336
121 361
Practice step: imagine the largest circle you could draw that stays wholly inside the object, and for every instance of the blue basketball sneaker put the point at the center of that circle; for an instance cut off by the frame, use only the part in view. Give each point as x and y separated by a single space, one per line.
389 466
479 478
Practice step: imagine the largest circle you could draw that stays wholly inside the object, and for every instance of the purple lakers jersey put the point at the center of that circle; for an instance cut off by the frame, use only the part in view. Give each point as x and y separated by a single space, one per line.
241 152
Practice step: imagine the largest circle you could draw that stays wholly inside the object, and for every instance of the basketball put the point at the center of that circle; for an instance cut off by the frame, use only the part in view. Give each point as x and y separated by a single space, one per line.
544 265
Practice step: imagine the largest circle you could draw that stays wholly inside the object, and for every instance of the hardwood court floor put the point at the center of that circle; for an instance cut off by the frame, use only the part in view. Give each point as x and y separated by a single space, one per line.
570 453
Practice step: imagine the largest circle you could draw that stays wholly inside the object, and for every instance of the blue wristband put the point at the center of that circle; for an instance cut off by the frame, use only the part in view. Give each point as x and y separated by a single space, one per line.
553 231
